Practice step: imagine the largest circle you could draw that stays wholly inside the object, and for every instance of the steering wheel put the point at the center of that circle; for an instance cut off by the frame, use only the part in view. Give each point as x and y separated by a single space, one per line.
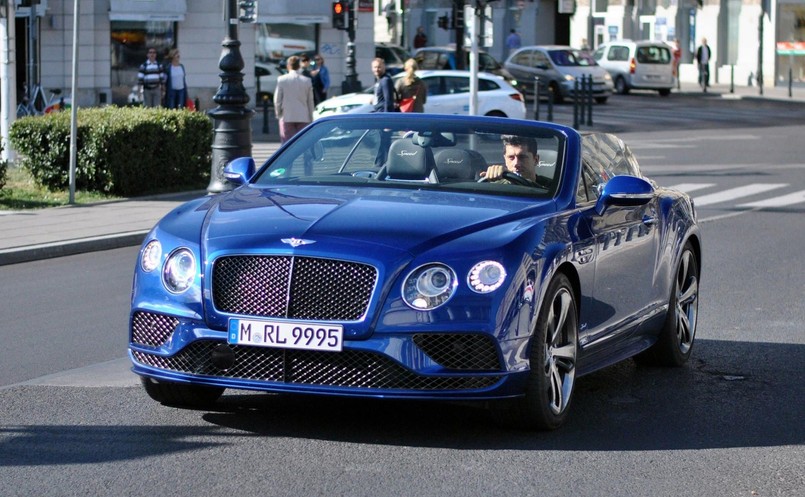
515 179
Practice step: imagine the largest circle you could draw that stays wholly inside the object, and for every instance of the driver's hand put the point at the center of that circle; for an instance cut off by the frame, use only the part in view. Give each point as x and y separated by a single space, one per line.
493 172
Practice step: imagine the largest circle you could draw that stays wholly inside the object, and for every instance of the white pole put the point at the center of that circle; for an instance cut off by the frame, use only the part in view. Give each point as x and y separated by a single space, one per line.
8 78
74 104
474 13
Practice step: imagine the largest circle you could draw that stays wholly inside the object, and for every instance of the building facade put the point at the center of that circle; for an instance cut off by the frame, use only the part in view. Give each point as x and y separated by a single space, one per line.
113 36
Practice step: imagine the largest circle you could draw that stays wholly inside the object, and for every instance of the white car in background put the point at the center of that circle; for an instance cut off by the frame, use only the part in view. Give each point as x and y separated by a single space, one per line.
448 93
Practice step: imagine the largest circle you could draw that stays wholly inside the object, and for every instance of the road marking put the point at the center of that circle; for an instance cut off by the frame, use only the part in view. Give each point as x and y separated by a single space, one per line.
114 373
733 193
782 201
691 187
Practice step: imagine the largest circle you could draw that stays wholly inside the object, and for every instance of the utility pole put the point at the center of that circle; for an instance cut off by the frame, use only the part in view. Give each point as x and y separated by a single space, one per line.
8 76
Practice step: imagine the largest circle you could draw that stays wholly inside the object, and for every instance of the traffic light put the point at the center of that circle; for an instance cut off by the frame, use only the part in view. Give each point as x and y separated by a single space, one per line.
340 13
458 15
443 22
247 11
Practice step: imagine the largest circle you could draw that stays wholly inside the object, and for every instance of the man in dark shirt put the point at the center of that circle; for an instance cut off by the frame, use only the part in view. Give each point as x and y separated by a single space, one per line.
384 87
384 102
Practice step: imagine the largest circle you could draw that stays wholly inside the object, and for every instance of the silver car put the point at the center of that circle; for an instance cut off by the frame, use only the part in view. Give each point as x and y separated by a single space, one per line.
558 68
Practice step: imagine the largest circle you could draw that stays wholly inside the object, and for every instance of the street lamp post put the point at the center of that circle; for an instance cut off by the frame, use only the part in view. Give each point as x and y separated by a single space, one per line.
232 133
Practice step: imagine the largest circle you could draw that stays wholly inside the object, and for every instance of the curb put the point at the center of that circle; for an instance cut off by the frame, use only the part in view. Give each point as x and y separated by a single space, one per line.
70 247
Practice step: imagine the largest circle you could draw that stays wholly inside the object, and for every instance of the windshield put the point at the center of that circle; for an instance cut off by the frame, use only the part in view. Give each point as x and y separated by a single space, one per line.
571 58
398 151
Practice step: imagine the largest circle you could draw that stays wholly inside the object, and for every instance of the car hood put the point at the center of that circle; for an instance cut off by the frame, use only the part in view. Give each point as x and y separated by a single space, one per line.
371 222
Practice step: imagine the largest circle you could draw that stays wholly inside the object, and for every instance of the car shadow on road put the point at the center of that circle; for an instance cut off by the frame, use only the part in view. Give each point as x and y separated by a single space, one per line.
732 394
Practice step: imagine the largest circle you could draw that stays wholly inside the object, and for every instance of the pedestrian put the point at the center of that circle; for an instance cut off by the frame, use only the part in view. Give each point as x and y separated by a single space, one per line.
420 39
151 78
513 41
391 15
384 101
175 82
677 59
384 88
703 60
293 100
412 91
321 79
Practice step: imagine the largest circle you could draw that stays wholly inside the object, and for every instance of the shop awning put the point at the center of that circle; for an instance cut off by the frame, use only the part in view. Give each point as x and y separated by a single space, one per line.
147 10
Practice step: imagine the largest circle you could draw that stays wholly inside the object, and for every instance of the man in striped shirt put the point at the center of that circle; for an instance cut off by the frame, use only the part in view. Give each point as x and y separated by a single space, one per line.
151 78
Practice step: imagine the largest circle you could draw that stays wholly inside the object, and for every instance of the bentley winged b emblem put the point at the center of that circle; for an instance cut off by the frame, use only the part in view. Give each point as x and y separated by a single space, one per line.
296 242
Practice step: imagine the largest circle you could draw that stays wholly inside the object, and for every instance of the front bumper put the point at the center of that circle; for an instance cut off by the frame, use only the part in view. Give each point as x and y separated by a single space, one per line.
470 366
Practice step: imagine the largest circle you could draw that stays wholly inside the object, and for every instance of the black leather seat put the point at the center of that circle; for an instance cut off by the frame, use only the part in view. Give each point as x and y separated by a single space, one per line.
456 164
408 161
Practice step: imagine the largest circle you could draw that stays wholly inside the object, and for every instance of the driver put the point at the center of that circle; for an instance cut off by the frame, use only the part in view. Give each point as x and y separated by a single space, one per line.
521 158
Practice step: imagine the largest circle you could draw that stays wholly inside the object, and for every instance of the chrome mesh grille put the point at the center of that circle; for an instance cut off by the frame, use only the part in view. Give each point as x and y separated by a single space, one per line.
349 368
460 351
148 328
293 287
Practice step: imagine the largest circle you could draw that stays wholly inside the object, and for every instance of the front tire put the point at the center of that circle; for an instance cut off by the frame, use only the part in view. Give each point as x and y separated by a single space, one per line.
675 342
554 350
181 395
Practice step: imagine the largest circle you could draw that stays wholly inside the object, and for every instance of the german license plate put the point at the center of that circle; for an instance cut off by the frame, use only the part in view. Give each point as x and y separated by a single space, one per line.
286 334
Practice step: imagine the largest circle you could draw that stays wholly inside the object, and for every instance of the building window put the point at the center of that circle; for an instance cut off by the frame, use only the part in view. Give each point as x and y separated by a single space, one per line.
130 42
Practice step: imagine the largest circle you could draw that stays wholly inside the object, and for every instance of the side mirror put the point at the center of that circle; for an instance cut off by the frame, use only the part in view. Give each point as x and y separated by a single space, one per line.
239 171
624 190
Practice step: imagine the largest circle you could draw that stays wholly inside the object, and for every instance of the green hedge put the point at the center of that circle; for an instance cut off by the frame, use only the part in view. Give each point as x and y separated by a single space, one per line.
123 151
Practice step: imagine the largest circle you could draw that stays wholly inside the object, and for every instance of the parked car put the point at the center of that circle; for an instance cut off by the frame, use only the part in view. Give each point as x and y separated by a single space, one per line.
394 56
266 79
558 68
448 93
323 274
643 65
445 58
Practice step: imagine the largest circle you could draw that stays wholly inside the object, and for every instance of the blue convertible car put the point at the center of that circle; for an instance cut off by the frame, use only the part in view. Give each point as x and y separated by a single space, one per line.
421 257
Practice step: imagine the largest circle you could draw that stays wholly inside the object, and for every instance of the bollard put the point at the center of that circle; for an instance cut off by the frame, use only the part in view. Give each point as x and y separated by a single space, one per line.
265 114
550 105
790 82
536 98
589 100
732 79
576 104
197 103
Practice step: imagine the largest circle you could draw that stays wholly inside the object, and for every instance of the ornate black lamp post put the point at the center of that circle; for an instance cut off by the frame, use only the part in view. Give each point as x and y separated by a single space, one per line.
232 133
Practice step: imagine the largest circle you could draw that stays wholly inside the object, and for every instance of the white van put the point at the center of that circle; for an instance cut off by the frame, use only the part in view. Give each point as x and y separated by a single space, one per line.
641 65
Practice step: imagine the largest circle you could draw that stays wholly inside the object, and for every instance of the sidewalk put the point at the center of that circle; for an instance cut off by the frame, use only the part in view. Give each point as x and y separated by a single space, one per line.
45 233
55 232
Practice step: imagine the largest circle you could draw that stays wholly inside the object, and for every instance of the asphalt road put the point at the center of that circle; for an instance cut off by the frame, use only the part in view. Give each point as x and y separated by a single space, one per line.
73 421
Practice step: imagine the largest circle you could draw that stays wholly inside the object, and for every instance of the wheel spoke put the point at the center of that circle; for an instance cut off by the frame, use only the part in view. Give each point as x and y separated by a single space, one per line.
689 293
683 329
558 322
557 390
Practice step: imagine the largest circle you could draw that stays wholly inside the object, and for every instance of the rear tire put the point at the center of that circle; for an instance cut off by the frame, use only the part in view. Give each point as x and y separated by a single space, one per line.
664 92
552 378
553 87
620 85
181 395
675 342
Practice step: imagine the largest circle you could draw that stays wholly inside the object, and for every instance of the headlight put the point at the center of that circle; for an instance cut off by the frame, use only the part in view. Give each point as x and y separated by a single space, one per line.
180 271
152 256
429 286
607 77
568 77
486 276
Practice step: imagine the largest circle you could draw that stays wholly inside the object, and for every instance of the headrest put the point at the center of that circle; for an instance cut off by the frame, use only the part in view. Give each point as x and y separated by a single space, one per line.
409 161
454 164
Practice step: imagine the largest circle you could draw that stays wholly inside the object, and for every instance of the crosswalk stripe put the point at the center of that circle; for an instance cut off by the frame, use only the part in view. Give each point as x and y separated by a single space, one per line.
782 201
733 193
691 187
